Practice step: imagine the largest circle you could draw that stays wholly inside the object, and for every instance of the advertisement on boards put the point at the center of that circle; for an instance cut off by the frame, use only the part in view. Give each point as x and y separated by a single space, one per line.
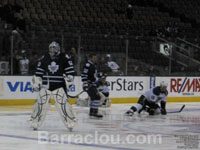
185 86
182 86
127 86
19 87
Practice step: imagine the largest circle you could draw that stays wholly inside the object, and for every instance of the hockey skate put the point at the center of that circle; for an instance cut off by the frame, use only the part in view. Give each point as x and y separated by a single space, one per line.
130 112
33 124
70 123
94 114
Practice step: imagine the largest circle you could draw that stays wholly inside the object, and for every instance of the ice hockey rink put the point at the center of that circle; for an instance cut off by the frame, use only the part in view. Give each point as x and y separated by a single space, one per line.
115 131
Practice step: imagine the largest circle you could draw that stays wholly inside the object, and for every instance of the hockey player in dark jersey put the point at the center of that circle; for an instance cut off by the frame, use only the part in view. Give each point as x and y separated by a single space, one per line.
54 76
90 85
103 91
150 99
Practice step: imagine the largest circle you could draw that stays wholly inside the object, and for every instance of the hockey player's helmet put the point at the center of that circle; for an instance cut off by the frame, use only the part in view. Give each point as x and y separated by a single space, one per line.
163 84
101 75
54 49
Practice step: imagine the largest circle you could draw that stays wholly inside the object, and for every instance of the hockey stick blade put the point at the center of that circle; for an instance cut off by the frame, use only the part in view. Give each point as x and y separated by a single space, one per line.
178 111
182 108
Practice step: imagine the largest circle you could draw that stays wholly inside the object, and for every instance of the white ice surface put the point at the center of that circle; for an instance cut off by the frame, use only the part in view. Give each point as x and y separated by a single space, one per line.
174 131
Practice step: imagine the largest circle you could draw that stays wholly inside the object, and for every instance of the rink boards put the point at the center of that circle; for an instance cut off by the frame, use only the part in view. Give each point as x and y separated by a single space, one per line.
16 90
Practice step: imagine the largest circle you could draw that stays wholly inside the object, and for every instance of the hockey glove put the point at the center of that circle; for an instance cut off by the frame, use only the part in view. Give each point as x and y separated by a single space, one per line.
85 86
151 111
107 83
36 83
69 80
163 110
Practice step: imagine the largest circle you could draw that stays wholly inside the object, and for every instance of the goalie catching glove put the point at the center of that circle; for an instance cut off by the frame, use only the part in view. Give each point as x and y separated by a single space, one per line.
105 101
36 83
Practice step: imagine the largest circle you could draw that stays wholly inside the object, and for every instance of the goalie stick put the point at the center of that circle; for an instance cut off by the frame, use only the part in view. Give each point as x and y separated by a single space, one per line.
177 111
76 96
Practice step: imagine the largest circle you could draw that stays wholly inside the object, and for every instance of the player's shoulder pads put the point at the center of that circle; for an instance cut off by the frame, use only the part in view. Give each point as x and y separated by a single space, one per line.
67 56
156 91
87 64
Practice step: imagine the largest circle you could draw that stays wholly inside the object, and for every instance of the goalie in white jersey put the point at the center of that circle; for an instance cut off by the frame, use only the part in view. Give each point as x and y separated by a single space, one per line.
150 99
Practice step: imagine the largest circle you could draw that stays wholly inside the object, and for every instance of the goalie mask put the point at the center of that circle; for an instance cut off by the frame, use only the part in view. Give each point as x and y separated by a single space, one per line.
54 49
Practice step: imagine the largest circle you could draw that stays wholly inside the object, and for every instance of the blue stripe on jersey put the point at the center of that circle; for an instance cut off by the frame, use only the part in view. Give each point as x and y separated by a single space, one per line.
69 72
39 73
40 69
60 77
69 68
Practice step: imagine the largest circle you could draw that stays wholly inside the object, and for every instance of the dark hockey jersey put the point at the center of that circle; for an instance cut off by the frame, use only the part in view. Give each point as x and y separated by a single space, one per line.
89 73
51 70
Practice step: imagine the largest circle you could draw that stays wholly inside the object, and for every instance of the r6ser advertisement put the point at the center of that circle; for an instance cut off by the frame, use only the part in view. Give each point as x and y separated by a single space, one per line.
184 86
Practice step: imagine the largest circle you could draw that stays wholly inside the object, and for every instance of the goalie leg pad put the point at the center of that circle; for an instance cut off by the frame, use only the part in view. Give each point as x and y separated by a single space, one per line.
94 93
102 96
105 90
64 108
106 102
40 108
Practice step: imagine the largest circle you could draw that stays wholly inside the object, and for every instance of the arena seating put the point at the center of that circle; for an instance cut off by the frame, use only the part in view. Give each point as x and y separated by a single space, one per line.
104 25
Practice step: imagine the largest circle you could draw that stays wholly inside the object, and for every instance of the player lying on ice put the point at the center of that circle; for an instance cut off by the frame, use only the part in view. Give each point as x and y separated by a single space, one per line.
84 99
150 99
56 71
